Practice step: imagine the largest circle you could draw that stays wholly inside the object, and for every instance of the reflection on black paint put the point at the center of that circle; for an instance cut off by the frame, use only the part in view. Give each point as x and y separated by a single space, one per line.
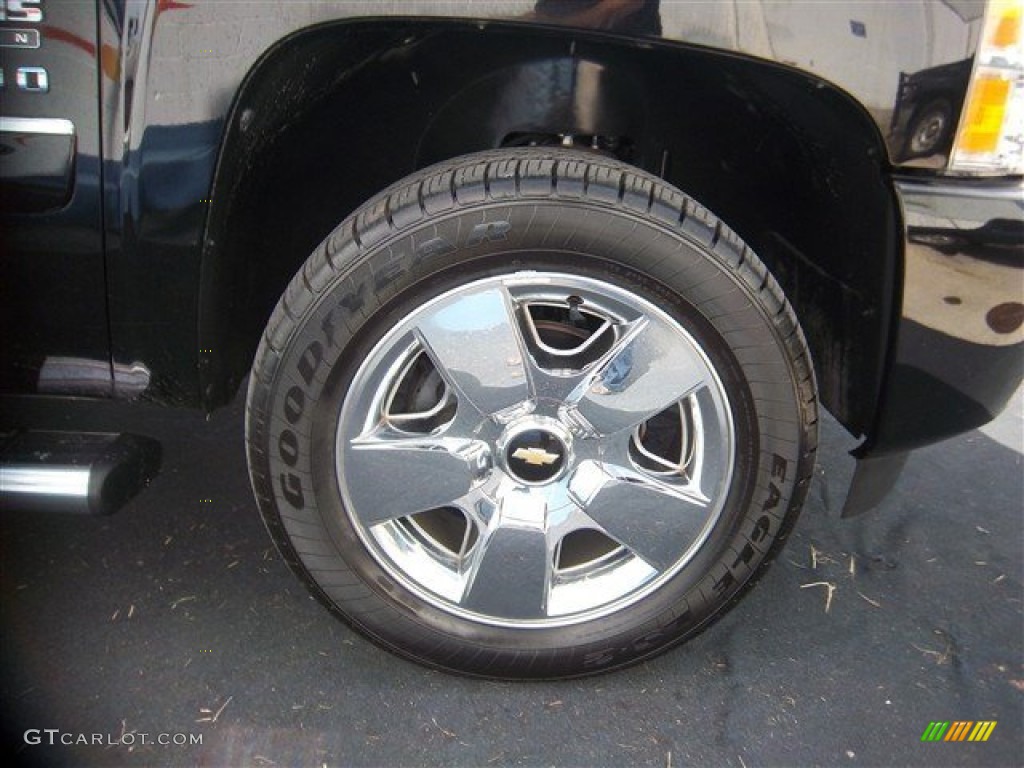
627 17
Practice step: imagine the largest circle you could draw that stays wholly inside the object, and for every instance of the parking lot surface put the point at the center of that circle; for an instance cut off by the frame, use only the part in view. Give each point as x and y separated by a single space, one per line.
176 619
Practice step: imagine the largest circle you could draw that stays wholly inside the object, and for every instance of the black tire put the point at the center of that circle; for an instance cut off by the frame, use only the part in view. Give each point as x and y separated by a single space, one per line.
930 130
493 224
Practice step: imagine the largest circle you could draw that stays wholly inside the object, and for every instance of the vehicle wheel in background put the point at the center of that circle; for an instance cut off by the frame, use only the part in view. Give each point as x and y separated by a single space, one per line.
930 130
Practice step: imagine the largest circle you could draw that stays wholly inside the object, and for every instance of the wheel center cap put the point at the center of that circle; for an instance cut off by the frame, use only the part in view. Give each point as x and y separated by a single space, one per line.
535 456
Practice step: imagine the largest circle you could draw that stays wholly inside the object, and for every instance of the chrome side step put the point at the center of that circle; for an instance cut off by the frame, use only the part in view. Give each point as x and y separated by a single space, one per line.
82 472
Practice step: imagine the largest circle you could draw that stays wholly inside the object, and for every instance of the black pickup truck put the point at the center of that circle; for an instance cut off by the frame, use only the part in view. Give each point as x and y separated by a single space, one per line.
535 302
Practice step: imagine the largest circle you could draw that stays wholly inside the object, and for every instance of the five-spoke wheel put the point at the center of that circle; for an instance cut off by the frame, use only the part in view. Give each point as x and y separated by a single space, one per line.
530 413
535 448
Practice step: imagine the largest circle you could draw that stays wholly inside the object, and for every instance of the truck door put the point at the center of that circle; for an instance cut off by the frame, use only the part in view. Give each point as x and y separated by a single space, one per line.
53 316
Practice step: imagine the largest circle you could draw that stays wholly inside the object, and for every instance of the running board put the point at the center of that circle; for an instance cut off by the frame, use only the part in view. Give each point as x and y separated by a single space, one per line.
82 472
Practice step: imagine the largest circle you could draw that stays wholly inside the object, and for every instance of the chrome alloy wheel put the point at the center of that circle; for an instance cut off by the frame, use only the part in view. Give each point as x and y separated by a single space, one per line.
535 449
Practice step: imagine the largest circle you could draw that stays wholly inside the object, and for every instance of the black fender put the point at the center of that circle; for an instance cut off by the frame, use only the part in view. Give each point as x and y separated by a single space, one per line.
335 113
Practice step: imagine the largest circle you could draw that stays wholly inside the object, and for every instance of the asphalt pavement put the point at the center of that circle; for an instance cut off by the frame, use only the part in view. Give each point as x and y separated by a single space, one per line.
176 621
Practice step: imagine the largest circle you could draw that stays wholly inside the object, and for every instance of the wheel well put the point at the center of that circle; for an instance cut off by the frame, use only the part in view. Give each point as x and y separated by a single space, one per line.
334 114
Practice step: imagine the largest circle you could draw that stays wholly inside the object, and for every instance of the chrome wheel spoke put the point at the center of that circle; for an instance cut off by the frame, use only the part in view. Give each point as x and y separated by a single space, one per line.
511 570
392 477
654 520
645 372
474 342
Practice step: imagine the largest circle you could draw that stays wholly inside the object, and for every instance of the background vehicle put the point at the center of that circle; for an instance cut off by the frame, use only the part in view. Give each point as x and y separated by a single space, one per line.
538 303
927 105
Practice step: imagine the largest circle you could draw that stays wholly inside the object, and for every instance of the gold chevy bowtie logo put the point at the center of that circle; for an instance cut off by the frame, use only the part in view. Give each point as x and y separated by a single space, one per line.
535 456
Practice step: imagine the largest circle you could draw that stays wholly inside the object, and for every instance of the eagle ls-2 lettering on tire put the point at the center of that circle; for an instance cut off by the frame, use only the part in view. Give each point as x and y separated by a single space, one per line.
531 413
